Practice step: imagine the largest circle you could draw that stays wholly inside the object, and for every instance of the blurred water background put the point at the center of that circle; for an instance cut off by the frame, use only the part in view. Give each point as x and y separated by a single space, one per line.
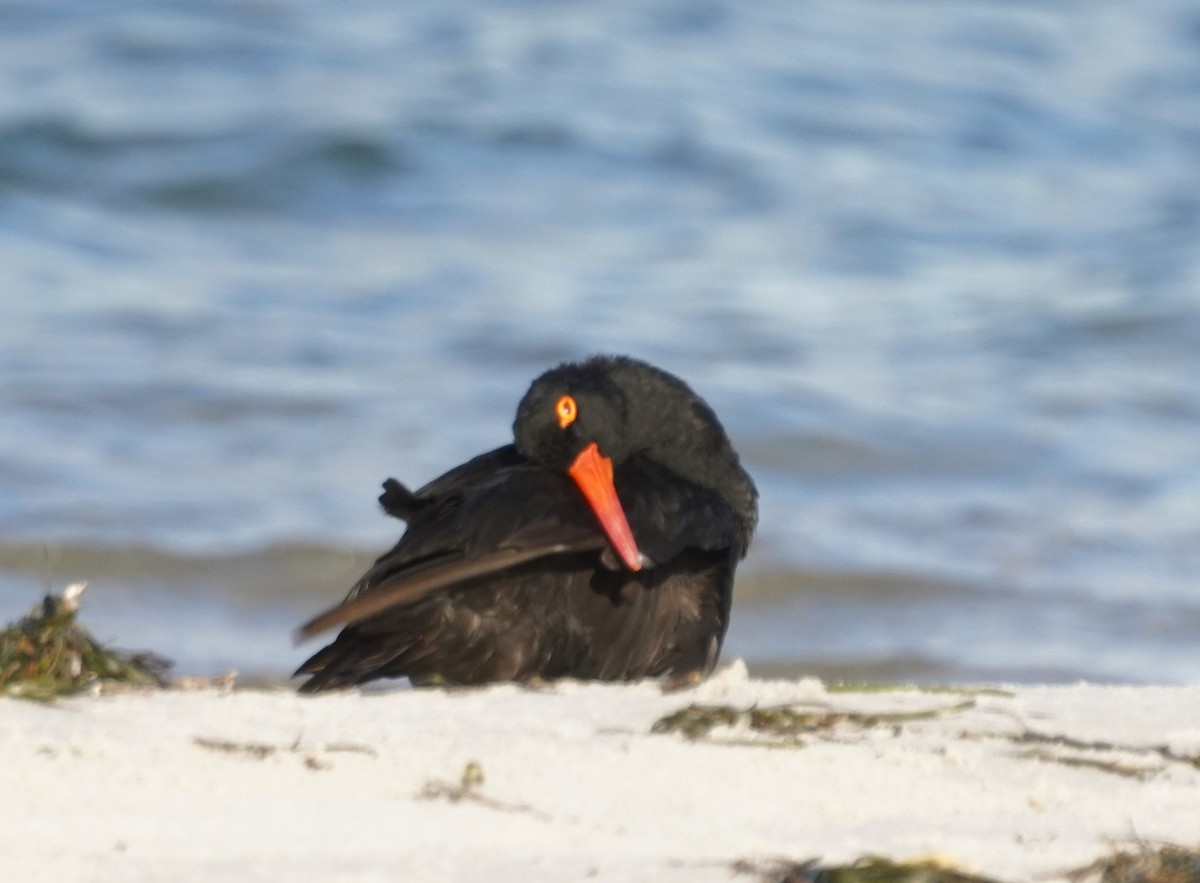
936 264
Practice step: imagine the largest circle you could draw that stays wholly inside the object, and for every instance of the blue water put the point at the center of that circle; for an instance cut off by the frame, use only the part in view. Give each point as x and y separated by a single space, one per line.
936 264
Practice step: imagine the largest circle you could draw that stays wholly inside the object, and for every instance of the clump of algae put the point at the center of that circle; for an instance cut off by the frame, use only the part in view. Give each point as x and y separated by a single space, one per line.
48 654
1166 863
697 721
869 869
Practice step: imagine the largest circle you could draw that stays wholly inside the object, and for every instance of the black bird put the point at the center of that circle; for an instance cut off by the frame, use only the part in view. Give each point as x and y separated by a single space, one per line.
601 544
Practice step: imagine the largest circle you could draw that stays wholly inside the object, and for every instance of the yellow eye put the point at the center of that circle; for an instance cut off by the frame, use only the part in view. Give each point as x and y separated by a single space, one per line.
566 410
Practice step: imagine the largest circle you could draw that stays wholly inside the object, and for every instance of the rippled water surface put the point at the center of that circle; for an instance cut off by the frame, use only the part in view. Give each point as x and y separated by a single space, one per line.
936 264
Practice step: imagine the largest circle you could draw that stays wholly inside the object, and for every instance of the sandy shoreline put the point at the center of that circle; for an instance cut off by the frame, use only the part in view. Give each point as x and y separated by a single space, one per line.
268 785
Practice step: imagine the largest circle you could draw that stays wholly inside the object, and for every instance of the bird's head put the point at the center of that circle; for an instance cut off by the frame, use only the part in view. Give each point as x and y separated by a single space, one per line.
583 419
575 419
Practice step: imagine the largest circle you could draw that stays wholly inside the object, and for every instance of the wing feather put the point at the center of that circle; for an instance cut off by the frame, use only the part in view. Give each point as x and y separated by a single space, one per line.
490 515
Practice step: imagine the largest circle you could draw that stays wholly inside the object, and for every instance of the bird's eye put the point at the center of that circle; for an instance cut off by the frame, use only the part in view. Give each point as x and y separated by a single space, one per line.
566 409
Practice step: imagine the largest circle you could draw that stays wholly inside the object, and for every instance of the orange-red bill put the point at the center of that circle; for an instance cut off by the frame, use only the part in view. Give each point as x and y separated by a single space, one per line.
594 475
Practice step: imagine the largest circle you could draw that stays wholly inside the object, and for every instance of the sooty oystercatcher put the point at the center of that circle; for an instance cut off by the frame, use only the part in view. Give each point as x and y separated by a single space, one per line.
601 544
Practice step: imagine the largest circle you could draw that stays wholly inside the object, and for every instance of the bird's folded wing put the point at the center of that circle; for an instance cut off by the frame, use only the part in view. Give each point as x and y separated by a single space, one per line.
517 515
417 582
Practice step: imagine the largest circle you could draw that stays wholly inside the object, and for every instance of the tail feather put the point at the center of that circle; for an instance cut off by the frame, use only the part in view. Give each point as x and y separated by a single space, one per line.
398 501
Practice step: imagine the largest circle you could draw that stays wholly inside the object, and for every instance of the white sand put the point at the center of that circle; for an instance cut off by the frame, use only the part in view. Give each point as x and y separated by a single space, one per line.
255 785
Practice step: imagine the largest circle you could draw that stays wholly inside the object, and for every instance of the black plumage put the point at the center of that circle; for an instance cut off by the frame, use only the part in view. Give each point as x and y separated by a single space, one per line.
601 544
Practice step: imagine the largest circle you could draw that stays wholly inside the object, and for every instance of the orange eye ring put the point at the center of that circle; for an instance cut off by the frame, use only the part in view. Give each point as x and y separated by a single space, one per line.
566 410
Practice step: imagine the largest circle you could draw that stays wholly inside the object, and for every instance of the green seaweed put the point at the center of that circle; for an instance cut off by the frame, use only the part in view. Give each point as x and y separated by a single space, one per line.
1130 771
933 689
881 870
48 654
869 869
1164 863
789 721
1060 743
472 775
